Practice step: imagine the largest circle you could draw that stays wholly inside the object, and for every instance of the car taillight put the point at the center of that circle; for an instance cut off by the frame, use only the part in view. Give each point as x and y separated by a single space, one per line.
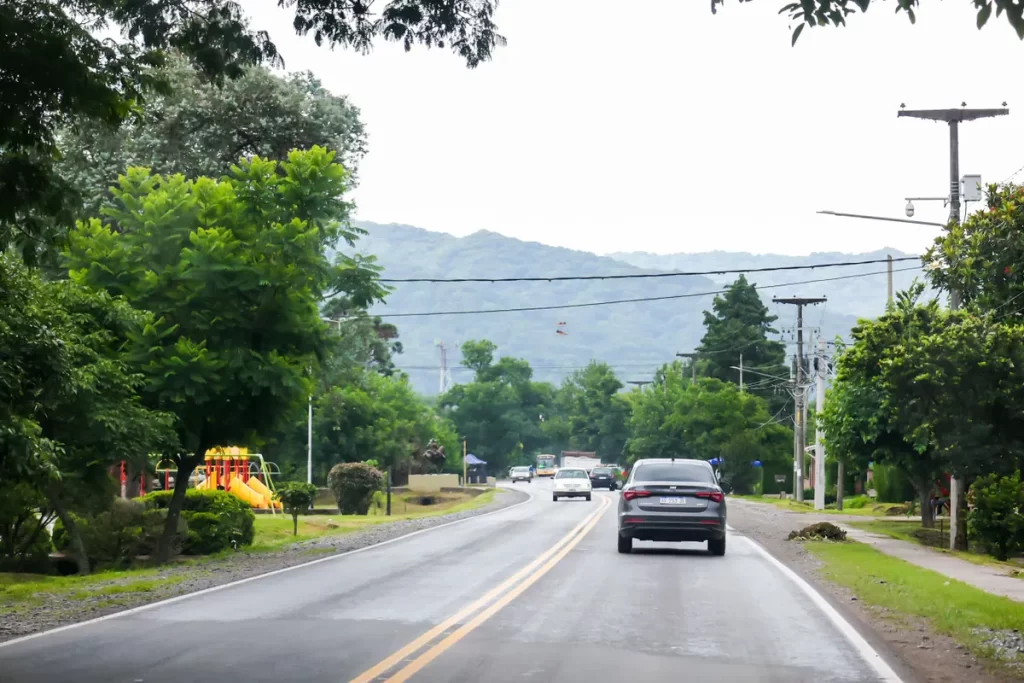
630 494
716 496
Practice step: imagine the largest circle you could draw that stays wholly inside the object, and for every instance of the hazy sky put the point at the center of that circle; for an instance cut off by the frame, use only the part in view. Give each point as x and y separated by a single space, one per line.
666 128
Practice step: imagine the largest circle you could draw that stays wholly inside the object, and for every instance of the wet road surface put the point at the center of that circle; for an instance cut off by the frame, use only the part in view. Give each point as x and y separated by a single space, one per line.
536 592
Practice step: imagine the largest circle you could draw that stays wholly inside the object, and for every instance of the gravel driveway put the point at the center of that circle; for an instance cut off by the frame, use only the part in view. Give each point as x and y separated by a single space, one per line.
59 610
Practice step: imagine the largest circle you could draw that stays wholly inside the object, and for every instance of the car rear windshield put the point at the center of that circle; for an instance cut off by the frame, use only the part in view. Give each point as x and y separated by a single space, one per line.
601 470
571 474
520 470
673 471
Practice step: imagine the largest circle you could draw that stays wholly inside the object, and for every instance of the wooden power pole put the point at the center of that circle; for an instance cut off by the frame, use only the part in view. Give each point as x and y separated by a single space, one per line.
800 391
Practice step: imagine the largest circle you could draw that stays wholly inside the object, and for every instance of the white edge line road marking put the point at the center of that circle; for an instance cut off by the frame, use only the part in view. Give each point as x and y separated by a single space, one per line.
863 648
211 589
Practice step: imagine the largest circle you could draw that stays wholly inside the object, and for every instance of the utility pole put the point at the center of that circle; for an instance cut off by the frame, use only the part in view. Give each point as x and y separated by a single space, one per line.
444 367
693 363
465 452
819 435
890 279
741 373
953 118
799 395
309 442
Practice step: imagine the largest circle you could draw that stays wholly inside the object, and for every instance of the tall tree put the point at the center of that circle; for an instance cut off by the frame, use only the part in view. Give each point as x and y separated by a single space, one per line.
58 72
739 324
982 259
500 411
199 128
595 415
233 272
824 12
707 419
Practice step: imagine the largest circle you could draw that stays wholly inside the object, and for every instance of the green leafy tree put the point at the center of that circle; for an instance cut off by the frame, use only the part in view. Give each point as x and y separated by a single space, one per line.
65 428
500 411
707 419
834 12
739 324
594 414
982 260
297 499
860 422
201 128
59 72
232 272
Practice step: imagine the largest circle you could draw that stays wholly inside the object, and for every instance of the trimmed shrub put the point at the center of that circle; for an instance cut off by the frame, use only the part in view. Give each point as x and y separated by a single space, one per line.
996 519
353 484
235 520
119 535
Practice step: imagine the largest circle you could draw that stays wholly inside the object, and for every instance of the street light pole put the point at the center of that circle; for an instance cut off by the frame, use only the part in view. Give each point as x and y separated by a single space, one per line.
953 118
309 443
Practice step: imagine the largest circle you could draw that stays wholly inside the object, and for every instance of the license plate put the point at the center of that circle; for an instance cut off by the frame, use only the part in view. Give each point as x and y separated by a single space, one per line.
673 501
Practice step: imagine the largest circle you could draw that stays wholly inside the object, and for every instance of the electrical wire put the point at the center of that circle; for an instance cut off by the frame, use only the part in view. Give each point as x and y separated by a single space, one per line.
639 276
691 295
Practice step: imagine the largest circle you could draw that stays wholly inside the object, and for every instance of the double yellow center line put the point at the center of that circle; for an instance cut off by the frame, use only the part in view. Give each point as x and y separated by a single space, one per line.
483 609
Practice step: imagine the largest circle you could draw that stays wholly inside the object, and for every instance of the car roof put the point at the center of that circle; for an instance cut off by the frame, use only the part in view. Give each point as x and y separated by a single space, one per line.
571 469
691 461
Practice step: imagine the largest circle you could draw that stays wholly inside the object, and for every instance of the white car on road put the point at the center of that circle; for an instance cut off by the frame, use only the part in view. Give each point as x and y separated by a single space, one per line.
520 474
571 482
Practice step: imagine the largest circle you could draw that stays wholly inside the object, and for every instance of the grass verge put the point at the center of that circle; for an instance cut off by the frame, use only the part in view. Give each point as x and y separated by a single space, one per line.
275 531
949 606
20 591
858 506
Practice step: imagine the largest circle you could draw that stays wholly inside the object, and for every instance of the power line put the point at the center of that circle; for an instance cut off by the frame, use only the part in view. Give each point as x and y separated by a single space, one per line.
637 276
670 297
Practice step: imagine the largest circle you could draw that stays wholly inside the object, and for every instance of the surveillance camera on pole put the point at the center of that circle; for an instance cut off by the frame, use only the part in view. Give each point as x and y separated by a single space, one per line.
910 209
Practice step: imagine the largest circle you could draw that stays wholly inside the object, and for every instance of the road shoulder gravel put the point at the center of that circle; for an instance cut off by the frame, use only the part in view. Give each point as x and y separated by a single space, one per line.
47 611
932 657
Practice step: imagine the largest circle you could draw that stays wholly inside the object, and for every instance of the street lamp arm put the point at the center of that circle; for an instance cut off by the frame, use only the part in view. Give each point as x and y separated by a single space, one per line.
881 218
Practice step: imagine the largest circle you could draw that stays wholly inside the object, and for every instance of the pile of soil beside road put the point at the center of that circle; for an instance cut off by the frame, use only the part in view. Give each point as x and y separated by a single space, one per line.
933 657
59 610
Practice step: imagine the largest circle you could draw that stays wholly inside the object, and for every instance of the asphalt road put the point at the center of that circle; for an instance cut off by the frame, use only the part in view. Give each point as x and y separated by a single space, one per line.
536 592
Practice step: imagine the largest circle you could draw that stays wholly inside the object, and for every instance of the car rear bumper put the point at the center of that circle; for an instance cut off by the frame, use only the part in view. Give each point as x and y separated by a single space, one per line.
671 530
571 494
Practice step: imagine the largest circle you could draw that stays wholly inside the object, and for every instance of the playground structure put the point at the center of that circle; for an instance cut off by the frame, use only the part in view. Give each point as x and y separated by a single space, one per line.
247 476
230 469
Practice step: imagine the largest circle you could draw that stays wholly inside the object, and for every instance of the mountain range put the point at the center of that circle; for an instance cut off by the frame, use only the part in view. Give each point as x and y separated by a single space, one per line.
635 338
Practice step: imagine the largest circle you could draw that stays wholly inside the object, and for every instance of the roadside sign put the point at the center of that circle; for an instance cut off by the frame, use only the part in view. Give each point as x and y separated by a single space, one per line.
780 478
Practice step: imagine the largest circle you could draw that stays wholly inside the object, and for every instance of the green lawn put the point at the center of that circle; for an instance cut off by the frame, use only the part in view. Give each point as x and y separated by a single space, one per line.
951 607
274 531
862 509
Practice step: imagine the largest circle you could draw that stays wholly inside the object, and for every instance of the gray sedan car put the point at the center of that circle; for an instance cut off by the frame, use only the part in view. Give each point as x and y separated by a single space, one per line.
672 500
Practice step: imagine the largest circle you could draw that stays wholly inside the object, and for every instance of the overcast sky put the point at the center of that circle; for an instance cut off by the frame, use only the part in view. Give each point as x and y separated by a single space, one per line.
665 128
